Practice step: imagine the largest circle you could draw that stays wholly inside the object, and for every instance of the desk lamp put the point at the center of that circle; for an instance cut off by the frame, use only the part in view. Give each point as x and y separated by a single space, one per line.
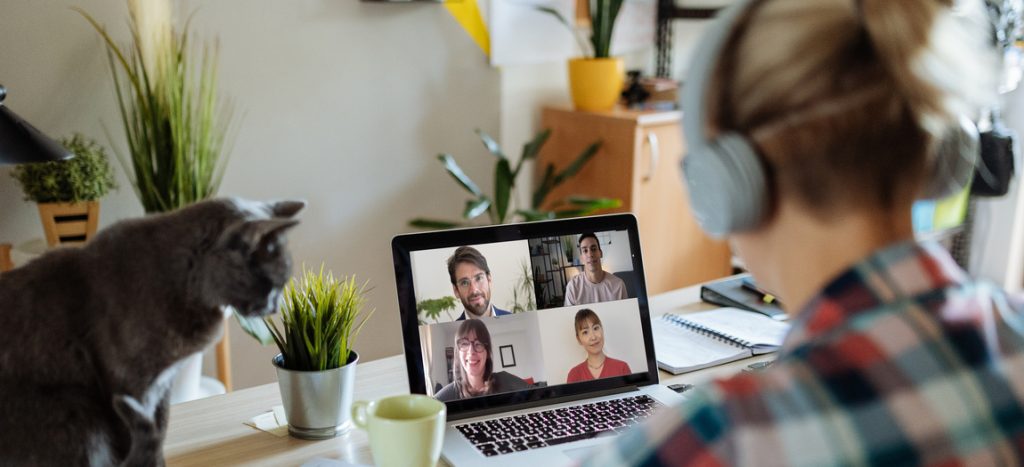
20 142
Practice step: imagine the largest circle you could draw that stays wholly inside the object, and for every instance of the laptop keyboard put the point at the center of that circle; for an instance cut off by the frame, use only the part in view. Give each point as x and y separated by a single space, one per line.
557 426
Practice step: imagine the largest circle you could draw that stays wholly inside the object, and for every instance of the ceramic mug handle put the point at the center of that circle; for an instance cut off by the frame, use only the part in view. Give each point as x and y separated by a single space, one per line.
359 413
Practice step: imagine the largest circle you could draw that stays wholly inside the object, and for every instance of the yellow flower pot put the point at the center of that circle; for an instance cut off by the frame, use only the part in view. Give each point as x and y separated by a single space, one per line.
596 83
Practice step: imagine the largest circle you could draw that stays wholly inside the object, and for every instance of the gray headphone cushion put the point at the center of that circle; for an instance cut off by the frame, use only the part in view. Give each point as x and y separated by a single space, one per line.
954 160
727 185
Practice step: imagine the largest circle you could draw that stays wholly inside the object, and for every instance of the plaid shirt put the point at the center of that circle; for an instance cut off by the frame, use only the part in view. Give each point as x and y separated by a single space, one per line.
901 360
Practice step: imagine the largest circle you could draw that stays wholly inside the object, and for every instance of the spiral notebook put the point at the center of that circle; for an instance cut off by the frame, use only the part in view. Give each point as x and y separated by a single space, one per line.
694 341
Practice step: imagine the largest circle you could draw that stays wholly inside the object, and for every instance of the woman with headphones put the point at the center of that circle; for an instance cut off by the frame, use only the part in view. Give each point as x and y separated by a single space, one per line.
813 125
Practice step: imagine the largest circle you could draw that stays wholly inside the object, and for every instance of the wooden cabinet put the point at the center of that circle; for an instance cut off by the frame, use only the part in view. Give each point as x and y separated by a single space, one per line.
638 163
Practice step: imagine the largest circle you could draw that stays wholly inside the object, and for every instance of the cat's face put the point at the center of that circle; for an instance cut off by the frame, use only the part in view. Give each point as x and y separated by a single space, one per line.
249 263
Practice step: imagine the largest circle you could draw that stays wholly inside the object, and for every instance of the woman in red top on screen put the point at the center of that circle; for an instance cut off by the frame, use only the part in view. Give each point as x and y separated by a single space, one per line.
590 335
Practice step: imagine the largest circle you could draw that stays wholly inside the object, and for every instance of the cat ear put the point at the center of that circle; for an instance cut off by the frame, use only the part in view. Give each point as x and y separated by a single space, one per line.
254 234
265 229
286 208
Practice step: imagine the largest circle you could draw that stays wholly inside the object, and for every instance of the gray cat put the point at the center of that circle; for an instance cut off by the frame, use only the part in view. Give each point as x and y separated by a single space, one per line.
90 338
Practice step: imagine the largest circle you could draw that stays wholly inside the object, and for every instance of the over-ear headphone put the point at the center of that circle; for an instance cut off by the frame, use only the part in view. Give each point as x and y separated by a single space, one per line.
724 174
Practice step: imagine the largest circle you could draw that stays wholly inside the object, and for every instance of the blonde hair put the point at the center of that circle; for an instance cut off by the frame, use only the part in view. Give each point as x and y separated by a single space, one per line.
845 99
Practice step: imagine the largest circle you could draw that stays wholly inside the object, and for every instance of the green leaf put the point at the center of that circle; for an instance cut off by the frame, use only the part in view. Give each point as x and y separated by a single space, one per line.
433 224
456 172
544 187
503 182
581 206
602 23
531 149
475 207
556 14
531 215
577 164
595 203
255 327
490 144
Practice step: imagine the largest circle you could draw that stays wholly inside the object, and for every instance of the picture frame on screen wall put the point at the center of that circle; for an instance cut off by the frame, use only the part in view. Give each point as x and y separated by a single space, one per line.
508 356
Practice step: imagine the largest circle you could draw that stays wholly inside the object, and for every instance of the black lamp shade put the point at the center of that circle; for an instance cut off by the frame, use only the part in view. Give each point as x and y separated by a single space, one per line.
20 142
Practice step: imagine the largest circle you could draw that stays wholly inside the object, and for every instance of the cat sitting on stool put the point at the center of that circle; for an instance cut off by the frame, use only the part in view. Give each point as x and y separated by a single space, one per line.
90 338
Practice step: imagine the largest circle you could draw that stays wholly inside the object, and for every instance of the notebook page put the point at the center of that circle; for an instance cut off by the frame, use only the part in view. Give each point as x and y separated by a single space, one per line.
679 349
760 330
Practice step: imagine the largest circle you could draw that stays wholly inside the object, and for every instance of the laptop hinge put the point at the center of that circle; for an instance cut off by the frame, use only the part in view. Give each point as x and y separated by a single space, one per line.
539 403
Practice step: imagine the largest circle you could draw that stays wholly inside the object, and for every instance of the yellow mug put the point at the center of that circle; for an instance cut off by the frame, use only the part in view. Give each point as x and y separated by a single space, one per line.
406 430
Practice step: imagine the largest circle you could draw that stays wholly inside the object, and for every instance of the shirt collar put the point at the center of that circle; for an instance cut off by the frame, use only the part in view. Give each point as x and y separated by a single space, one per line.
896 272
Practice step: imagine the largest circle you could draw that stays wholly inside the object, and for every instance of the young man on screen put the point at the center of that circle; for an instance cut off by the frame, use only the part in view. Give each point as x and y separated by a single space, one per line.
594 284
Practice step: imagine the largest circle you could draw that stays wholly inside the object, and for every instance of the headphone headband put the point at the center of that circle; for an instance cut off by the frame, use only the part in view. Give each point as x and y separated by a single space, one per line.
724 176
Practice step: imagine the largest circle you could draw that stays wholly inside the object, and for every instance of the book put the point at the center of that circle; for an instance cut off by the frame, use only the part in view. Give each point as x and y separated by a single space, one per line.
690 342
731 292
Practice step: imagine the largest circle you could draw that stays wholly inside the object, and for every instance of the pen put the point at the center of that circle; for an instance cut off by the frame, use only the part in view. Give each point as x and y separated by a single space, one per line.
761 293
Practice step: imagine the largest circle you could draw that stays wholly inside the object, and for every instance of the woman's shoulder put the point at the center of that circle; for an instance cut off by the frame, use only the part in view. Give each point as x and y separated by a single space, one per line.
578 368
507 380
448 393
578 373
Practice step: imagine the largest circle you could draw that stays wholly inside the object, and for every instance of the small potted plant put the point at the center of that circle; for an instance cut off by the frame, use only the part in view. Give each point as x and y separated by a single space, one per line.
68 191
596 78
432 308
320 319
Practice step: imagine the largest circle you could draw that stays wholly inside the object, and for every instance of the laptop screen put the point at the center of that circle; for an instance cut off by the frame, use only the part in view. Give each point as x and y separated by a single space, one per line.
512 314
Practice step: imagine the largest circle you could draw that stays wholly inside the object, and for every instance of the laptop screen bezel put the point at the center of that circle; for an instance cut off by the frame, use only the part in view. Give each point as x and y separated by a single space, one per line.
404 245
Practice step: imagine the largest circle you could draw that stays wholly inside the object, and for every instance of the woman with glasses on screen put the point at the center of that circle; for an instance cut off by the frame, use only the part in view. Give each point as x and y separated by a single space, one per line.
474 369
590 336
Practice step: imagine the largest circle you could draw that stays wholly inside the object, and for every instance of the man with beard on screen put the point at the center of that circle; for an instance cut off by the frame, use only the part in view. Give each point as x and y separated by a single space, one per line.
471 282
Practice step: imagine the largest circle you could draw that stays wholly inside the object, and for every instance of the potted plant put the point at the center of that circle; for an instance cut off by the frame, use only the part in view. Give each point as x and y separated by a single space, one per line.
568 248
432 308
321 316
523 290
595 79
68 191
175 125
501 208
174 120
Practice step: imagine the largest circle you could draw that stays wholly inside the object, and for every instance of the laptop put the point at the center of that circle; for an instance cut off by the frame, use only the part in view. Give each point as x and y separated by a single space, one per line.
527 375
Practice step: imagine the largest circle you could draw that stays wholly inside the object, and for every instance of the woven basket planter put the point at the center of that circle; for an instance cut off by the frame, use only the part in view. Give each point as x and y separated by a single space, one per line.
69 223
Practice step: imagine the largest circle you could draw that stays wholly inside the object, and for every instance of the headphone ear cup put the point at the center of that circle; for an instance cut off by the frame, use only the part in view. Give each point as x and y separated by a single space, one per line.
953 163
728 186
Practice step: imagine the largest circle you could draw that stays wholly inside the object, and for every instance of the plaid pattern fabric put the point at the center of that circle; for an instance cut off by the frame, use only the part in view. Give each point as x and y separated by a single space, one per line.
901 360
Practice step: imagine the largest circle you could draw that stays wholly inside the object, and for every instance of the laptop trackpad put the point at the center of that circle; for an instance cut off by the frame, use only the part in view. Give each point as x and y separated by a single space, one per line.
579 454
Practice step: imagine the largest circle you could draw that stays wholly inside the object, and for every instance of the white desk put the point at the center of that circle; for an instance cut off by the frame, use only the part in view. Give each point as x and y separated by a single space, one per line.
210 432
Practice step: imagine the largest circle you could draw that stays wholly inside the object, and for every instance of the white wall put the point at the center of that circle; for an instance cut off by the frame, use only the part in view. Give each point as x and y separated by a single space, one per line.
505 260
340 102
623 337
997 246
